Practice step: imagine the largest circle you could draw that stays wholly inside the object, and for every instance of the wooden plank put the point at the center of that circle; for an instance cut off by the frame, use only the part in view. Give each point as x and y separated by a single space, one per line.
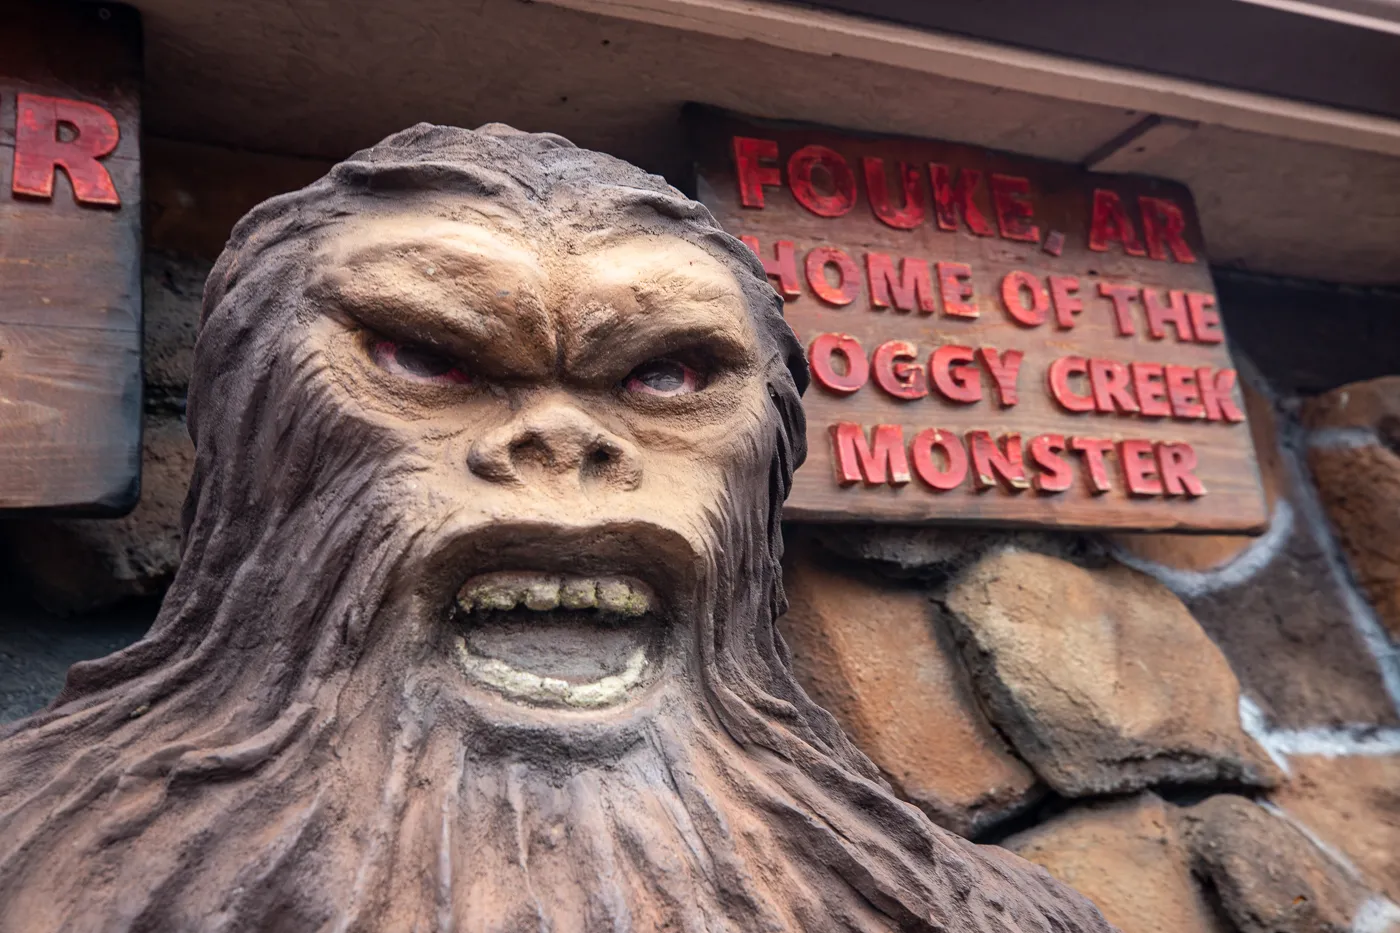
63 388
70 249
1023 234
66 264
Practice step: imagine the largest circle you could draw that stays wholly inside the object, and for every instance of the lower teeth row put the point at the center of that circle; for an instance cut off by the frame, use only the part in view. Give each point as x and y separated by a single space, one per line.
524 685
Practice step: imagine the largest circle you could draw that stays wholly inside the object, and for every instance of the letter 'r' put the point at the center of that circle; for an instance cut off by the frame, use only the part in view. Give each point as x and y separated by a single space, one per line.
40 152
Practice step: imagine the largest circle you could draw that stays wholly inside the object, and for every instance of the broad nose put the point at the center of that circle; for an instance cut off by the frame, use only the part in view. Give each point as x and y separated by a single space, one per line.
555 438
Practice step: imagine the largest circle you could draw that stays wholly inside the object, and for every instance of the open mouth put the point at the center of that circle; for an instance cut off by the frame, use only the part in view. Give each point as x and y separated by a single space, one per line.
557 639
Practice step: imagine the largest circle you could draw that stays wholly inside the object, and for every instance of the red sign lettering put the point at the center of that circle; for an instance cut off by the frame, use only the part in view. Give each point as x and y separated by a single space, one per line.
40 151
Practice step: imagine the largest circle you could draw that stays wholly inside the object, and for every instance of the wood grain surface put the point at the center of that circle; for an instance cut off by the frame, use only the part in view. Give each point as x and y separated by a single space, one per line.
70 310
1060 201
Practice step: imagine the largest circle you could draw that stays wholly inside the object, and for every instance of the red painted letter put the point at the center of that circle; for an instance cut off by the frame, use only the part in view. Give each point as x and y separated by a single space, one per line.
912 287
1109 380
1004 369
843 181
990 463
1218 394
783 265
1185 396
1151 392
1011 200
1063 291
1176 461
1139 468
1204 321
912 213
1173 312
1059 374
953 452
857 369
958 383
955 288
1056 475
895 371
1013 285
751 174
950 199
1092 449
848 275
39 152
1111 222
856 461
1163 224
1120 295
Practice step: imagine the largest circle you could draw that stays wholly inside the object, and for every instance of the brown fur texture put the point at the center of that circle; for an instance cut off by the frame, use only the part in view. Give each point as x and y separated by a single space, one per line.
292 746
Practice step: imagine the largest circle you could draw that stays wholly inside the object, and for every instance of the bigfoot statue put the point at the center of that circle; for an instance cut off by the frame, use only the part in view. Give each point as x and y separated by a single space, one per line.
474 624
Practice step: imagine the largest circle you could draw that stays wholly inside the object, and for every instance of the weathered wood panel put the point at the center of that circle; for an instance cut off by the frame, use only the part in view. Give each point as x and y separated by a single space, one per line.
70 248
915 271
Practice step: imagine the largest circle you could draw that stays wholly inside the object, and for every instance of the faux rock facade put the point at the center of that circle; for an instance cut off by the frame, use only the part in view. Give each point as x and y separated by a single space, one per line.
1223 864
1354 452
1100 678
875 656
1243 692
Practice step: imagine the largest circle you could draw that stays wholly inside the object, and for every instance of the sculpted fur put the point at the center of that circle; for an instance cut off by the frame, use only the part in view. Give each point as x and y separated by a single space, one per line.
474 625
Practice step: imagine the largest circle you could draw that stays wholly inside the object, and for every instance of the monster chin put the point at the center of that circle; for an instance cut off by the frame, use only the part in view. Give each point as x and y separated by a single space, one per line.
558 640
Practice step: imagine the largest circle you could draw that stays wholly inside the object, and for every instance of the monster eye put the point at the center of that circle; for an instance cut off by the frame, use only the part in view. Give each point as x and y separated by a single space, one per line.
663 376
417 363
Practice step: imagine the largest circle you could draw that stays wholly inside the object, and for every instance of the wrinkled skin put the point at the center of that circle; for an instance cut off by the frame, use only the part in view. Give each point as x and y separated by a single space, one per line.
474 625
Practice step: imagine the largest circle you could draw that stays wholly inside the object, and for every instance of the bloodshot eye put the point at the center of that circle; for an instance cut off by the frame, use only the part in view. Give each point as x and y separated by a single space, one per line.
417 364
665 377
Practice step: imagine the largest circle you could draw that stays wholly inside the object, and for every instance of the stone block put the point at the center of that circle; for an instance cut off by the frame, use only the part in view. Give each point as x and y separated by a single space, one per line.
1101 679
1225 864
1352 451
1373 405
1128 858
1360 490
1288 634
78 565
1267 875
870 652
1352 804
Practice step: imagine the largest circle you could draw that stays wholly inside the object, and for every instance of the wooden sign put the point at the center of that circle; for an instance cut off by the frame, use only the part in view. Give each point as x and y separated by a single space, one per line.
992 339
70 249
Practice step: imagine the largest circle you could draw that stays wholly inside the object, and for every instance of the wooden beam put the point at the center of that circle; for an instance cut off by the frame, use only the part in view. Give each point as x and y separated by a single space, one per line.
964 59
1140 145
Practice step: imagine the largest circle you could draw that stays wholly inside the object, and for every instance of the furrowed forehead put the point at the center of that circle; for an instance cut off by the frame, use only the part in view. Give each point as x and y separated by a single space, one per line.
648 273
465 286
639 296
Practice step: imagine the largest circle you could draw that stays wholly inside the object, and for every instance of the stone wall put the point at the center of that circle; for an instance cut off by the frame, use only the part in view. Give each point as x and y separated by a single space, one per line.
1200 733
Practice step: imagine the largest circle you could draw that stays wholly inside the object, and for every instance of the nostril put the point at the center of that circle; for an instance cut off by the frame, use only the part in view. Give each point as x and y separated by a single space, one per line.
530 448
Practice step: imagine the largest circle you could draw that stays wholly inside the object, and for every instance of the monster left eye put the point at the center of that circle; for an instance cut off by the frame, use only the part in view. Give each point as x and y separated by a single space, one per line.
416 363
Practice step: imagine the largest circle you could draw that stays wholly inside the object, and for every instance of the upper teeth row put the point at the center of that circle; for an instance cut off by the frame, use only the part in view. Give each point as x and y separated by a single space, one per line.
542 592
